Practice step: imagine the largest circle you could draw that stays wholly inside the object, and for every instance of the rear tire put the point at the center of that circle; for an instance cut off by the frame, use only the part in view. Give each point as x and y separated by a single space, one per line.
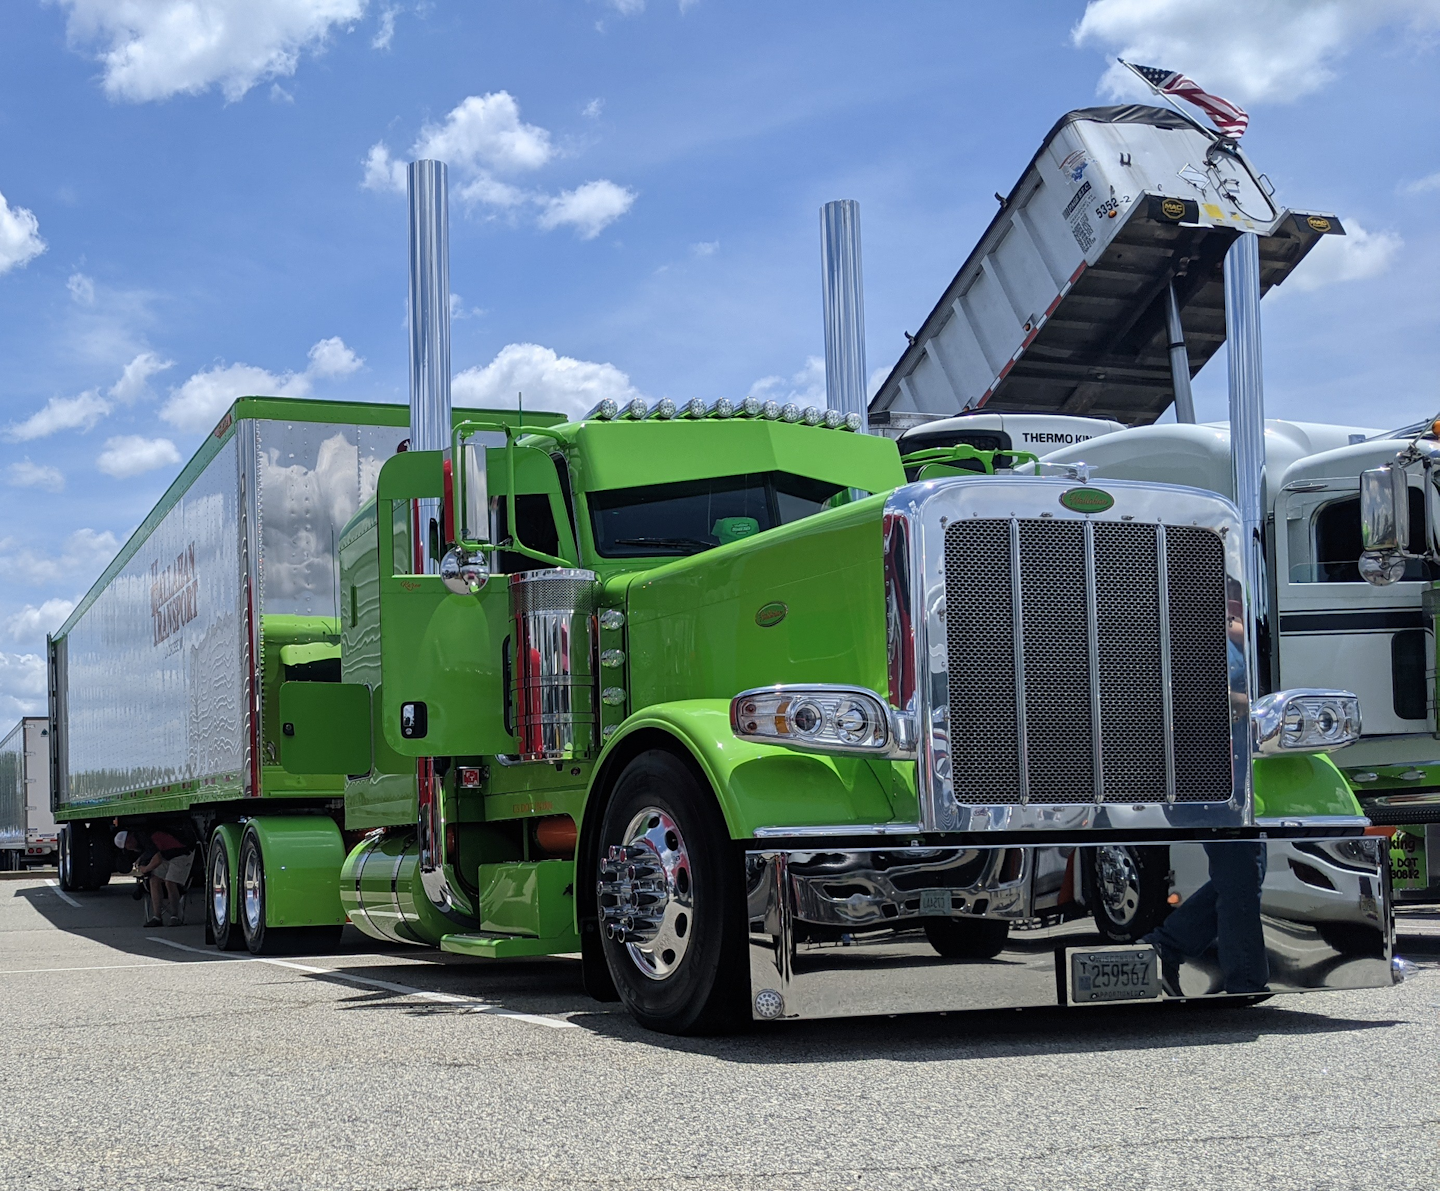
219 900
251 890
967 938
65 860
99 857
689 975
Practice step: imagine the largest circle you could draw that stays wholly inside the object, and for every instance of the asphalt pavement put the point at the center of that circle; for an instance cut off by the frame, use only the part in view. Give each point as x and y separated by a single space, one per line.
141 1059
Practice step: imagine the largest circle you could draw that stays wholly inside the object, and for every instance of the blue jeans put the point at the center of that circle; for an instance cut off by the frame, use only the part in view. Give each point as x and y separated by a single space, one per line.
1225 911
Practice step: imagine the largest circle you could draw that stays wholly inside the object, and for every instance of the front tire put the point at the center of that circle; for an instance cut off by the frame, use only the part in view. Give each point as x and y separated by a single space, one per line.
220 890
671 907
1128 890
967 938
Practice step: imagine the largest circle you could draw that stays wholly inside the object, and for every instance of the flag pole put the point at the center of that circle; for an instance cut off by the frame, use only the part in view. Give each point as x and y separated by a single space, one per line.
1214 134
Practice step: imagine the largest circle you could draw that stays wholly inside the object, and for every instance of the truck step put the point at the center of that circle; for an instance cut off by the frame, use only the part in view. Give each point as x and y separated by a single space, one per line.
487 945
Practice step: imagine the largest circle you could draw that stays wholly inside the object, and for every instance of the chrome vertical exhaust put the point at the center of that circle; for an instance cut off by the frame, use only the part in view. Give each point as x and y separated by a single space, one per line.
844 298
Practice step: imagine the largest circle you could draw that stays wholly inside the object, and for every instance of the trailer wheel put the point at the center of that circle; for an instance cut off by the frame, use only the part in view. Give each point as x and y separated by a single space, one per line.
967 938
64 859
670 900
99 857
220 888
1127 889
251 890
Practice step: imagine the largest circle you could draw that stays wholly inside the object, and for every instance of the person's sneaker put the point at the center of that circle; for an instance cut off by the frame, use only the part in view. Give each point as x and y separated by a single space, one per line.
174 920
153 920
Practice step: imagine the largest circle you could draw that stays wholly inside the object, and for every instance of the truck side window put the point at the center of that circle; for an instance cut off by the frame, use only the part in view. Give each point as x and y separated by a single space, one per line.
537 530
1338 545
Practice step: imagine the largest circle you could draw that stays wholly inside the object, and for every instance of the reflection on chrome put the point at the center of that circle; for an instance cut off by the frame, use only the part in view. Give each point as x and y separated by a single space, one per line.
920 929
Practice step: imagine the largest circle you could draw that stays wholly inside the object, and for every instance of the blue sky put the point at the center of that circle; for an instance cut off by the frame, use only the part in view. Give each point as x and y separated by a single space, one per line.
198 203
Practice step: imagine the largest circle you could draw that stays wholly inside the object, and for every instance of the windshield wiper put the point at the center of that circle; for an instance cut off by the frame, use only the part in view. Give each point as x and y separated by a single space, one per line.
672 542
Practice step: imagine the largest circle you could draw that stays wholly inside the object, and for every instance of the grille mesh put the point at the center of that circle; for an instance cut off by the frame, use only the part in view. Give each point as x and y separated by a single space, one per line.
1127 596
1057 661
1199 665
1056 616
981 632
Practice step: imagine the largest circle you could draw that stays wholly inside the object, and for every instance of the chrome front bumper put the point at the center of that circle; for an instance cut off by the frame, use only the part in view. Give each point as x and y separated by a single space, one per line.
840 933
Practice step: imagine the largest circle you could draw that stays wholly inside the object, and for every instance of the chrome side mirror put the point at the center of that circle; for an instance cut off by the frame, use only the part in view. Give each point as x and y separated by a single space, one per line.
1384 523
473 495
462 574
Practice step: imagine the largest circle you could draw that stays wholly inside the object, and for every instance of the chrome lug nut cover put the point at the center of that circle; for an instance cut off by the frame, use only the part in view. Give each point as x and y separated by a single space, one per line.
646 895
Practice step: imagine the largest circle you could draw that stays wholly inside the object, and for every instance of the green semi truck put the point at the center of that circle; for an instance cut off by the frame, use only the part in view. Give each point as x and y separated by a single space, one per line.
719 698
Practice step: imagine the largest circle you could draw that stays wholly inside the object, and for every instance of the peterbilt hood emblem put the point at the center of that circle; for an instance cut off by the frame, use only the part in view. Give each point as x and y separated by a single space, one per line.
770 615
1086 500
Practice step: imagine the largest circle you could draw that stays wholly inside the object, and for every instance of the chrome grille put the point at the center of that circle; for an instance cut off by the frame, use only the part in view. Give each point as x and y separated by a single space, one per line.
1070 679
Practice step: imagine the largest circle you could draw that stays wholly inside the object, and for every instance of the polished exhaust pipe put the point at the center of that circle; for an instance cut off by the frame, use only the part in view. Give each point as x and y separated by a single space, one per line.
844 303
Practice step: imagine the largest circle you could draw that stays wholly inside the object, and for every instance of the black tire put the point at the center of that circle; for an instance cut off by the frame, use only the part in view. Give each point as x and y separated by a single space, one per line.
594 971
967 938
99 857
225 934
65 860
9 860
703 986
1133 900
250 887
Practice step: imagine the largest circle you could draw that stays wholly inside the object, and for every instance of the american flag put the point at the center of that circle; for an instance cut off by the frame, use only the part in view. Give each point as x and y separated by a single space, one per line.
1229 118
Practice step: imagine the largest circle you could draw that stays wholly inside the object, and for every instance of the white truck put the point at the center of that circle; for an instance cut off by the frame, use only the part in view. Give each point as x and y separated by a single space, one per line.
1331 627
28 834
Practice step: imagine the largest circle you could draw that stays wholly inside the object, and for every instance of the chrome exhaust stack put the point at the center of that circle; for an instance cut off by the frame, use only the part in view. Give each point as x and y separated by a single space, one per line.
429 333
844 298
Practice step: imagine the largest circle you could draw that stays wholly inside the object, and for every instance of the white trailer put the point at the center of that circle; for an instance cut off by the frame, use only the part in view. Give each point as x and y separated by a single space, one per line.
1064 305
28 833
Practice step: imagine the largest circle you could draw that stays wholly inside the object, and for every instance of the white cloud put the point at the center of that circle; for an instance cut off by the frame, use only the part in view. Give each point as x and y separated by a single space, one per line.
330 357
806 387
548 381
129 455
385 34
628 8
1421 185
201 400
1355 256
1247 50
35 475
706 248
20 241
485 132
153 49
31 622
383 172
199 403
482 139
82 289
61 413
589 208
84 552
134 381
592 110
22 685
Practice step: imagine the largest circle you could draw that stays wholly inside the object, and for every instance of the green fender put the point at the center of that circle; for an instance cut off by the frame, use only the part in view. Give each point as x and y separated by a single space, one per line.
303 855
762 785
1300 785
227 836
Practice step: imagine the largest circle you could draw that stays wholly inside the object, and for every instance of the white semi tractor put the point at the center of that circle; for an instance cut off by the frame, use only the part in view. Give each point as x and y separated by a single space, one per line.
28 834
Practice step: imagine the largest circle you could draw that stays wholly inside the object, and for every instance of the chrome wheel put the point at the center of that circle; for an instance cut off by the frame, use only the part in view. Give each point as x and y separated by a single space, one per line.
646 896
253 891
219 884
1118 884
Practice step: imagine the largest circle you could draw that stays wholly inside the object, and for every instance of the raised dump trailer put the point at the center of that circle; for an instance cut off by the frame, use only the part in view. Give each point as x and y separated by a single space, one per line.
28 834
164 680
1378 640
1062 305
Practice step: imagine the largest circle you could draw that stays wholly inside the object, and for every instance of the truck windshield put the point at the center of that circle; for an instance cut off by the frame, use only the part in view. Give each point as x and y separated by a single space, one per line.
696 515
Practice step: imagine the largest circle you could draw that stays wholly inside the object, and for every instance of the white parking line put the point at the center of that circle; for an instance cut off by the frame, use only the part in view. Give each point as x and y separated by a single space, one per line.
63 896
403 990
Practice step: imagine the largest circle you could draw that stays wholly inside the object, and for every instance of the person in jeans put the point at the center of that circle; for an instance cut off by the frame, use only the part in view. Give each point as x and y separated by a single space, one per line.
164 862
1224 911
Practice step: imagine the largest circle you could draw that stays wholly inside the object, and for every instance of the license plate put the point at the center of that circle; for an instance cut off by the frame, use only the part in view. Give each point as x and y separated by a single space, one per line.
935 901
1114 974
